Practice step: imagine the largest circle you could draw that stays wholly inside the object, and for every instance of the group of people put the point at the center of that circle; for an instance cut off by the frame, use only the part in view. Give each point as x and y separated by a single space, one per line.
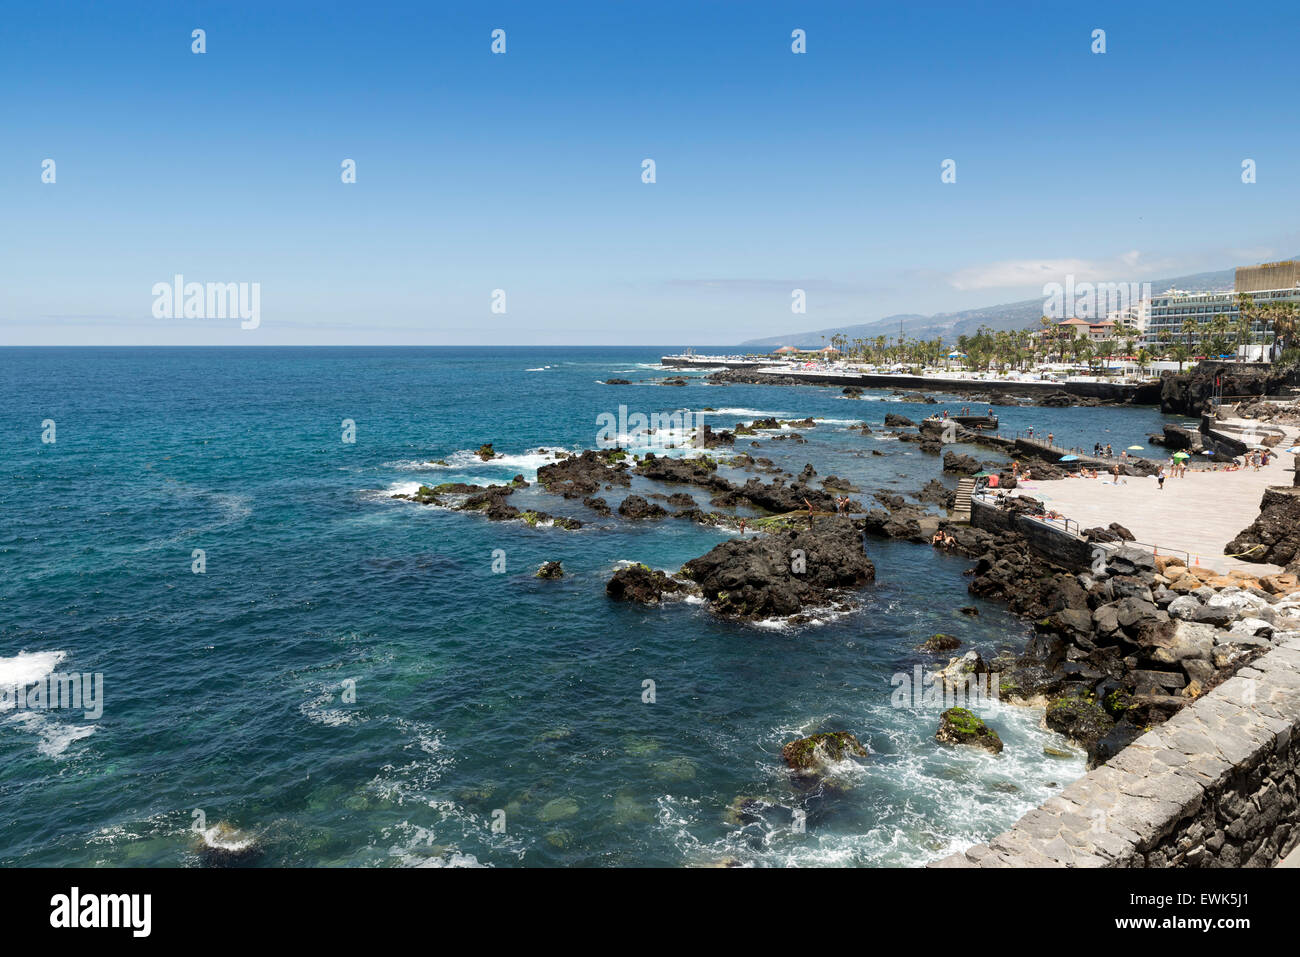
942 539
1257 459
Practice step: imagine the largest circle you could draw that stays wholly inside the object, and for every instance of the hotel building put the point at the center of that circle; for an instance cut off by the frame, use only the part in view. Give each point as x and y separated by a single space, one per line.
1266 284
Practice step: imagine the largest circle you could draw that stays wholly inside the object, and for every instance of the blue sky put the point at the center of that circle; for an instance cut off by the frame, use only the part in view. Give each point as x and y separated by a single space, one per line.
522 171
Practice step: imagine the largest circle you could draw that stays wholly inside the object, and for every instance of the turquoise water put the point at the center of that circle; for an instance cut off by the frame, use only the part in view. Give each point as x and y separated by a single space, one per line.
476 692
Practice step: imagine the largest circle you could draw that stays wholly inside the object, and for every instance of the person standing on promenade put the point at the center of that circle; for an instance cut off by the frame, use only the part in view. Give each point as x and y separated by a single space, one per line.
1160 478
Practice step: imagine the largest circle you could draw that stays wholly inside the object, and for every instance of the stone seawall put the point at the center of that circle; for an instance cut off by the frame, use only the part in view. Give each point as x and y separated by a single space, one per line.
1214 786
1049 541
1145 394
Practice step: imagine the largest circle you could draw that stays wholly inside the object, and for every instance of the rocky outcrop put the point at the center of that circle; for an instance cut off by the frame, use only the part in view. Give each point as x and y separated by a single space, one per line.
636 508
643 585
1189 393
961 464
1214 786
817 752
550 570
939 643
580 476
1125 647
782 573
962 726
936 493
1080 718
1274 537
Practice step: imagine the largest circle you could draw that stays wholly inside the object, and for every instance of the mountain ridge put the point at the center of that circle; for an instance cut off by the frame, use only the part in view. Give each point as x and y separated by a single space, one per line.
1023 314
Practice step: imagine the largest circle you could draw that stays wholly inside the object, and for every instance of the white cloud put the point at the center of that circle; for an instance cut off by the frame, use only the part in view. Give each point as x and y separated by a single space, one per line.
1026 273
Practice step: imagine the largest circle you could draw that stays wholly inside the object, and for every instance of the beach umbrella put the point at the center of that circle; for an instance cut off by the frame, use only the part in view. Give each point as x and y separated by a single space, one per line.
1068 458
1294 449
983 474
1181 455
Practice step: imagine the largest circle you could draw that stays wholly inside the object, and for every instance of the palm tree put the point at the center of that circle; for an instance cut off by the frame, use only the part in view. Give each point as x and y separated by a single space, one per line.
1281 317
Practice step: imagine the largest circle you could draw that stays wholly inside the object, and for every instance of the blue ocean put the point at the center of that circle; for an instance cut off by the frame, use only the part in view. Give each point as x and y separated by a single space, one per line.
351 679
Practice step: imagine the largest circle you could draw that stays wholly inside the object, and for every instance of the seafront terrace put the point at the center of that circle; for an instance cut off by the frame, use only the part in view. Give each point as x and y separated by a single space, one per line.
1198 513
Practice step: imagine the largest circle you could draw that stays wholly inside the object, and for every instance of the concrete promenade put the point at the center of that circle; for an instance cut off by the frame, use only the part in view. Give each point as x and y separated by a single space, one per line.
1198 514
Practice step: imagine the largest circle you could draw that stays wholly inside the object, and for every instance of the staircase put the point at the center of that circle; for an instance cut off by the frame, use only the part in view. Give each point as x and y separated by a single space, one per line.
961 508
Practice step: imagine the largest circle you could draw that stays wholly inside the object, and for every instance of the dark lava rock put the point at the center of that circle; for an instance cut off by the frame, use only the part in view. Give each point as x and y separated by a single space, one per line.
485 452
936 493
1115 532
712 439
618 382
1080 718
579 476
550 570
937 643
897 525
691 471
815 752
642 584
962 464
894 421
598 505
635 507
962 726
755 578
1190 393
1274 536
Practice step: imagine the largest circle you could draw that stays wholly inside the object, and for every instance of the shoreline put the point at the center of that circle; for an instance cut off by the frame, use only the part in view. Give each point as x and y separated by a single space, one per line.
1146 393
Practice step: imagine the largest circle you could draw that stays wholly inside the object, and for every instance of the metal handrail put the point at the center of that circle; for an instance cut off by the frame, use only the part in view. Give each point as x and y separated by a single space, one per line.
1077 531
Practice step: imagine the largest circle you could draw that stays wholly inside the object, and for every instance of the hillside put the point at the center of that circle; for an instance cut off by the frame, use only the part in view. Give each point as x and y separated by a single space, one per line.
1024 314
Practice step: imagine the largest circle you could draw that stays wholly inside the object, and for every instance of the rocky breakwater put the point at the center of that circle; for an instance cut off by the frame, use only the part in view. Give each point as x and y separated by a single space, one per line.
1124 646
786 573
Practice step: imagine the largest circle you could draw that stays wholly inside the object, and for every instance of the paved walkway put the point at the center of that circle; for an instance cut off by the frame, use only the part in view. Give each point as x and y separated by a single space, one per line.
1198 514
